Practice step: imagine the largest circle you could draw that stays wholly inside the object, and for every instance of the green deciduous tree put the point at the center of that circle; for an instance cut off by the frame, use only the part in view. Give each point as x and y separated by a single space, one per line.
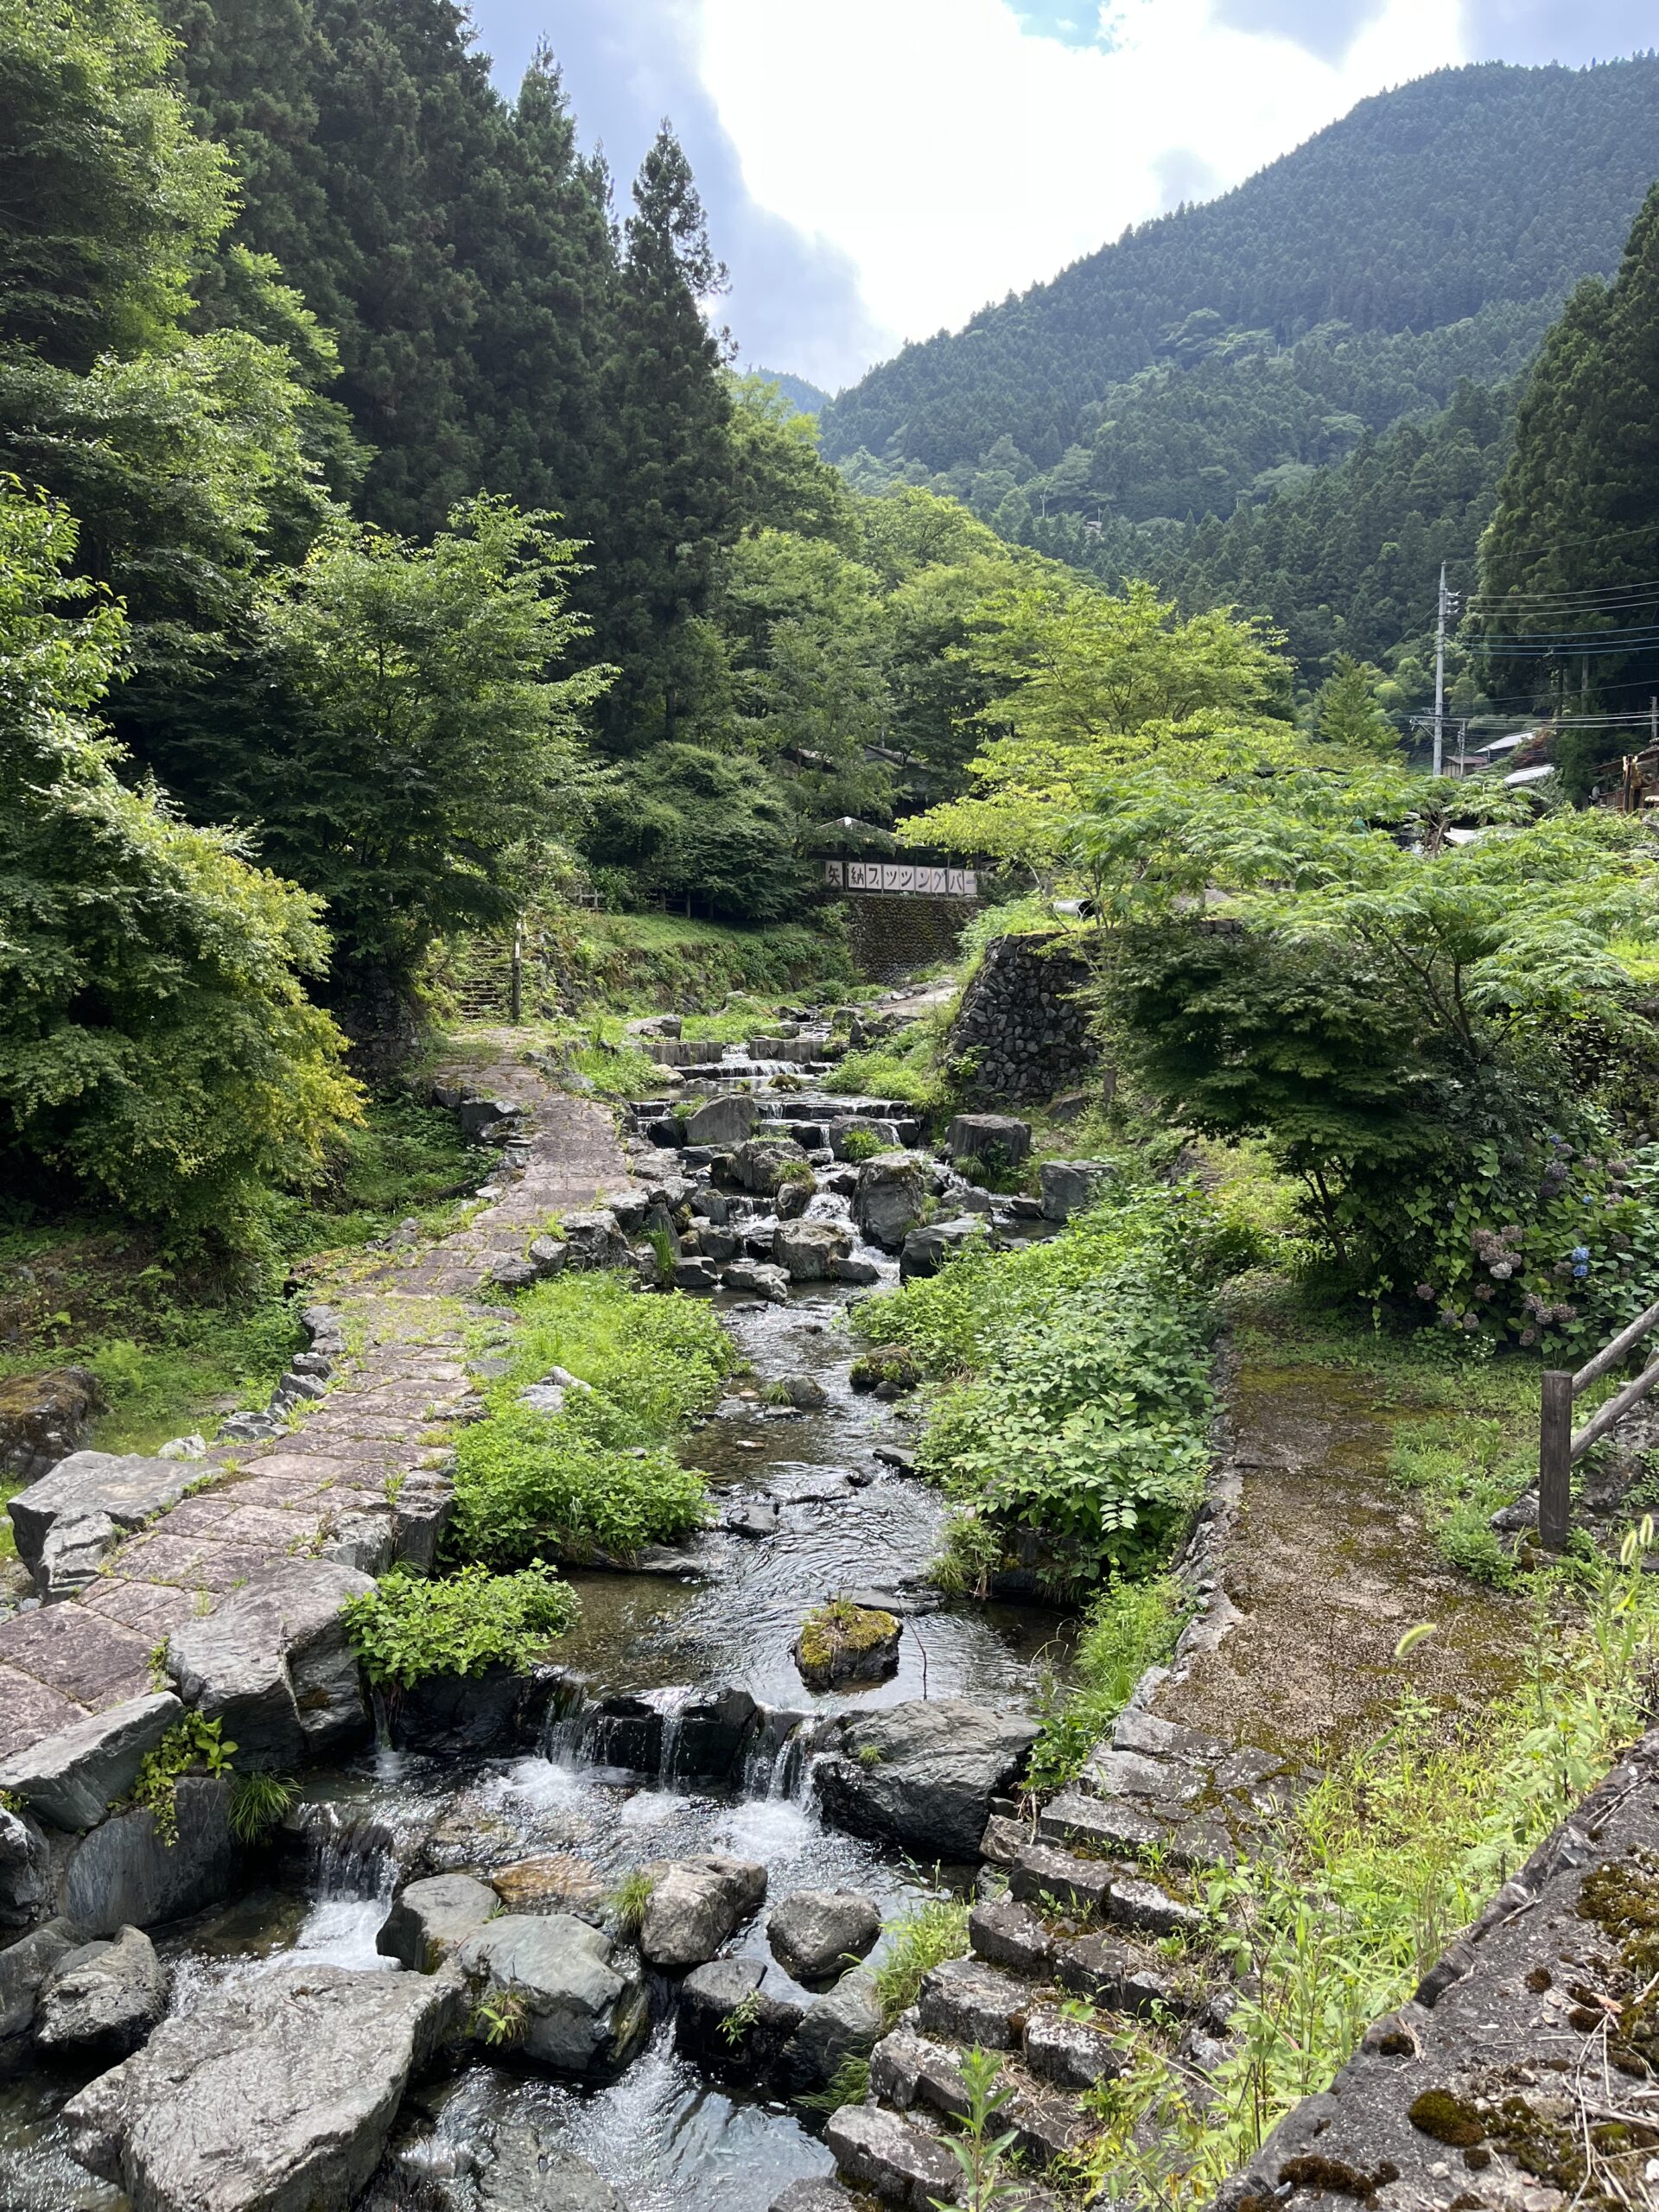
156 1046
418 749
1347 713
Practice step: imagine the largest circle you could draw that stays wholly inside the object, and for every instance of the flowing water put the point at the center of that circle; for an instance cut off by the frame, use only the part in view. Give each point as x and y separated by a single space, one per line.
665 2137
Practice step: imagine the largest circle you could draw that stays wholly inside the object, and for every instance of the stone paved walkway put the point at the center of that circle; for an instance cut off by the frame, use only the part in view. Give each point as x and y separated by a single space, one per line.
326 1488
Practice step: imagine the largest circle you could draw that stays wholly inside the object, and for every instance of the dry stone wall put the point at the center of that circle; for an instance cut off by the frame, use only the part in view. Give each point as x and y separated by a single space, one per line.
1023 1022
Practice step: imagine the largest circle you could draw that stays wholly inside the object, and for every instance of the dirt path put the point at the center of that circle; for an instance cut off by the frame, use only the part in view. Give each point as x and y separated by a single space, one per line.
1325 1565
338 1486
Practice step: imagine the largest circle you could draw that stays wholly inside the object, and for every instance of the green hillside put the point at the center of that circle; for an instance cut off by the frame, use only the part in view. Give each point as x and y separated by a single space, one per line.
1224 350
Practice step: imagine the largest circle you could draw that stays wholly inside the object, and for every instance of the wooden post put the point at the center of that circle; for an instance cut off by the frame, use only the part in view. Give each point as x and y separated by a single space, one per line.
1556 1460
517 1008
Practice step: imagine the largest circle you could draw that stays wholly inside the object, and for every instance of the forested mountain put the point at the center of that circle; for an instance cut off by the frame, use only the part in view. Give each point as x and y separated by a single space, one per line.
799 393
1568 609
1429 237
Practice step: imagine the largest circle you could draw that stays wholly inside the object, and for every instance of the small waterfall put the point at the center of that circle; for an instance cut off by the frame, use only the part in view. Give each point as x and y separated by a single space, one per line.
348 1857
672 1704
642 1735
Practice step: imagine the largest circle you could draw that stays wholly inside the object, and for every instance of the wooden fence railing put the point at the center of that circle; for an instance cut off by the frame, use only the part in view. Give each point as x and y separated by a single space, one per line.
1560 1445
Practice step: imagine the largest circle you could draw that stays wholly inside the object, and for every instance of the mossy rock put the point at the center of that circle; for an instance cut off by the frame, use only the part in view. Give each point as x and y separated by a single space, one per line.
844 1642
895 1365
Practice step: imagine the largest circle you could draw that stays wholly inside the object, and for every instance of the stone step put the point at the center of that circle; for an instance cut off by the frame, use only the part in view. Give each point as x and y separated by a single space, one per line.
909 2069
1072 2053
903 2164
967 2002
1043 1871
1007 1934
1111 1973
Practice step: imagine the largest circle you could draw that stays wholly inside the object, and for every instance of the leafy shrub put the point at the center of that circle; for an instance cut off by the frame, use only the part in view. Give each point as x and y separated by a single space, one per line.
1078 1428
258 1803
860 1144
407 1628
192 1745
652 1362
156 1044
528 1481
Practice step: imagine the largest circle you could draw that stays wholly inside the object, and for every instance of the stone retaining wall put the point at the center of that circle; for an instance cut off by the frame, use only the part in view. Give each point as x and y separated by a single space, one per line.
1023 1022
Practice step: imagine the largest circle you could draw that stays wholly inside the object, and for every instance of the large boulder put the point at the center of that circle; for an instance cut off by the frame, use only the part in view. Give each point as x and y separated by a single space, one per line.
275 2093
925 1250
763 1163
721 1121
847 2024
127 1870
808 1250
530 2171
43 1417
274 1663
814 1932
434 1919
25 1869
594 1239
923 1774
71 1779
695 1904
729 2024
26 1966
849 1139
83 1507
103 1999
995 1140
756 1279
1069 1185
575 1997
887 1198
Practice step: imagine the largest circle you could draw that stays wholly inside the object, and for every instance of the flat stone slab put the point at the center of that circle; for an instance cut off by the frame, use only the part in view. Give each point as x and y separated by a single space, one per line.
130 1489
72 1778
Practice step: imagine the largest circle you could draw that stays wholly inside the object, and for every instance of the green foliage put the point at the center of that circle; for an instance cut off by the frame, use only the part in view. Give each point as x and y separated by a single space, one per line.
1129 1627
156 1045
501 2017
192 1745
743 2016
1346 714
1389 1012
1075 1427
978 2149
911 1946
627 1901
407 1628
259 1803
418 748
598 1476
699 825
849 2085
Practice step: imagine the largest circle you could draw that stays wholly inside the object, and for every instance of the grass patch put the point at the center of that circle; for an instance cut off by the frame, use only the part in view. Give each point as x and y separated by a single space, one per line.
908 1066
642 962
1393 1851
913 1945
601 1475
1129 1627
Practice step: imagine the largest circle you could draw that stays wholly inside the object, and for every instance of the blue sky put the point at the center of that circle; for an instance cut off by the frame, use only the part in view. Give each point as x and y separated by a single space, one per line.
876 170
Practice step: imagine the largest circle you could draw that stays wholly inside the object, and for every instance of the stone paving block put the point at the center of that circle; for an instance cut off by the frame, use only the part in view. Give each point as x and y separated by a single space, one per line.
271 1528
71 1650
153 1608
198 1516
193 1563
30 1710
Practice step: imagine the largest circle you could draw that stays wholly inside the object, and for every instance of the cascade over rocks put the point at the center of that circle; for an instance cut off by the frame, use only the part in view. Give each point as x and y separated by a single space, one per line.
275 2094
808 1250
923 1774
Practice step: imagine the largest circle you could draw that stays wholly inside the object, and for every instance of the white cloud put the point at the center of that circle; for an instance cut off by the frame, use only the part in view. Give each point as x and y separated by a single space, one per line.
954 156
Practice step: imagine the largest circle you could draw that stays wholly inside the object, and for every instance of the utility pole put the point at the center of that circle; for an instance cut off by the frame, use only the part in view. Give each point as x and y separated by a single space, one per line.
1448 606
